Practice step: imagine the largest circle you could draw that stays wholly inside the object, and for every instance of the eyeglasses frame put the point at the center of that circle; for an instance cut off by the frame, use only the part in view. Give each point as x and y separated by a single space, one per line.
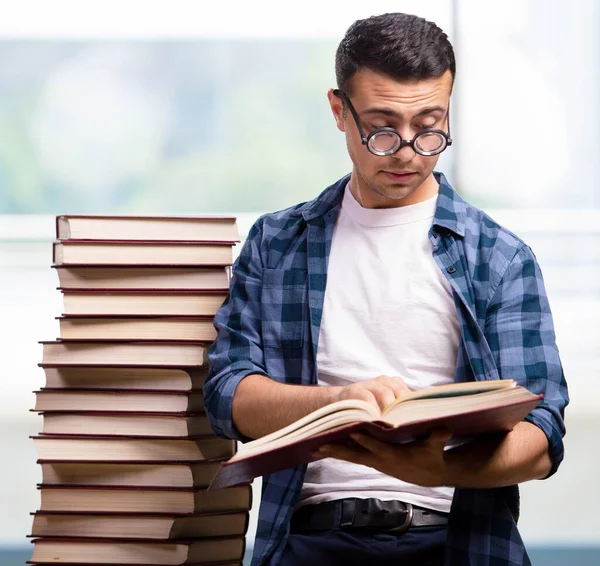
403 143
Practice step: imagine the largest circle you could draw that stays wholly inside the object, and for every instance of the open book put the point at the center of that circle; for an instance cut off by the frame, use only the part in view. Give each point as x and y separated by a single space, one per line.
466 409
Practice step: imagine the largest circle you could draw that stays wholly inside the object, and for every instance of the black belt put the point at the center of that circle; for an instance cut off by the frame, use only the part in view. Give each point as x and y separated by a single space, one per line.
390 516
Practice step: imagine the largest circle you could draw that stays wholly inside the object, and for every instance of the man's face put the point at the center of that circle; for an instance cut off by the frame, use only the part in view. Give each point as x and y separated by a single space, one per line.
404 177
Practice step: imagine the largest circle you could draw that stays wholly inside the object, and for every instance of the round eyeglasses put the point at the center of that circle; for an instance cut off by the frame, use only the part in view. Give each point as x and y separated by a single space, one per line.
387 141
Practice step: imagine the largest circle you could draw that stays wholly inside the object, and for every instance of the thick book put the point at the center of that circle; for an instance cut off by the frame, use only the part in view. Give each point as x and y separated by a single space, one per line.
73 252
139 526
149 553
141 303
132 424
111 449
53 400
199 329
133 378
149 354
123 474
151 228
74 499
465 409
137 278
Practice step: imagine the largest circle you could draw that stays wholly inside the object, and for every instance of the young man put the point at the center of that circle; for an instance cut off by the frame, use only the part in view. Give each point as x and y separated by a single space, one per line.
388 280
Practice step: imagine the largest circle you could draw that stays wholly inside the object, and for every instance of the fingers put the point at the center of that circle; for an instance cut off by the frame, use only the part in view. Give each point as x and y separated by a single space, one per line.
383 395
347 453
373 445
396 384
380 391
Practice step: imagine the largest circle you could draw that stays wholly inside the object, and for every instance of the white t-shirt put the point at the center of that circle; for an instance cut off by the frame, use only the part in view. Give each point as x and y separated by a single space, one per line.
388 310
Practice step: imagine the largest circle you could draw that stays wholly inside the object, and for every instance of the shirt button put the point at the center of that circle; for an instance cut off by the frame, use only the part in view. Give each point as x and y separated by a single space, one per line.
451 270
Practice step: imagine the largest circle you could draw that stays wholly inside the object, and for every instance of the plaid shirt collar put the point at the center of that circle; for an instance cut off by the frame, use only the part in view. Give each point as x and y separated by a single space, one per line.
450 211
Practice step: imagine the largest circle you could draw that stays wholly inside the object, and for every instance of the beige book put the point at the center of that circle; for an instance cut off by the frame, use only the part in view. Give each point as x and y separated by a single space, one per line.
130 401
141 303
139 500
91 473
72 252
167 354
151 228
119 424
158 527
134 278
141 328
132 449
137 553
90 377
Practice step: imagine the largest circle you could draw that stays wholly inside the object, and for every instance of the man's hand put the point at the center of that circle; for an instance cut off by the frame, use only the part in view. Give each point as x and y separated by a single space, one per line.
491 461
262 405
421 463
380 391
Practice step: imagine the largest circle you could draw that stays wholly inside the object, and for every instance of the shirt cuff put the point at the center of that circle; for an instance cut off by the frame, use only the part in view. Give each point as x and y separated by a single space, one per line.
221 420
543 418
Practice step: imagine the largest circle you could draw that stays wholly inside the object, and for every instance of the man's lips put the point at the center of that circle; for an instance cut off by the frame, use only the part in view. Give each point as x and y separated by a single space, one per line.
399 174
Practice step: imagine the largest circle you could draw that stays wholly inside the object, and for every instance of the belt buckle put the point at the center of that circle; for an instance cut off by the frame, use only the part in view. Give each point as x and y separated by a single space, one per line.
404 526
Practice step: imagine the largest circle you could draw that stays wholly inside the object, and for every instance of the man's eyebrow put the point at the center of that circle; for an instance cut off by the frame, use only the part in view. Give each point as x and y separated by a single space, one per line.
393 114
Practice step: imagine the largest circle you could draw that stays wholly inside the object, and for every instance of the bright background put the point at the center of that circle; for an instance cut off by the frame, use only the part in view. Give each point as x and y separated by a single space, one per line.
198 107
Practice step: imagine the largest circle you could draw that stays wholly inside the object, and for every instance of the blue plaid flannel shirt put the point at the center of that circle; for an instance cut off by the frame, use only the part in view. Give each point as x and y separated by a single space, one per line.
269 324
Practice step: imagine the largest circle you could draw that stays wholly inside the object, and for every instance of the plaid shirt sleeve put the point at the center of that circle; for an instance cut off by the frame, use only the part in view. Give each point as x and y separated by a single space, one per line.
520 332
237 350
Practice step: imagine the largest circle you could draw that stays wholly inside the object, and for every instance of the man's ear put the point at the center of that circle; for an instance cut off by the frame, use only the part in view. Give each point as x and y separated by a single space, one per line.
337 108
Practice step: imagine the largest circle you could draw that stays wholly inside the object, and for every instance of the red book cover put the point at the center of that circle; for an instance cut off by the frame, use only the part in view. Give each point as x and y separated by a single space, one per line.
463 425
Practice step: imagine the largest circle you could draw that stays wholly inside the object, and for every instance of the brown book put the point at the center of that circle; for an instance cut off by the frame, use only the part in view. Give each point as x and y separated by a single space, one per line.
137 278
49 400
150 553
137 328
146 526
151 228
73 252
119 424
92 473
75 499
110 449
91 377
145 303
464 409
155 354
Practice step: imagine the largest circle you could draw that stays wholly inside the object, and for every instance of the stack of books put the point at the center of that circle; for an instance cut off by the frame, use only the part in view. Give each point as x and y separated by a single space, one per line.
126 450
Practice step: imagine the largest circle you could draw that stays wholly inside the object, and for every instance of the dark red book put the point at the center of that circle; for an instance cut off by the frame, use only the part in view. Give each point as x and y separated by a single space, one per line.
465 409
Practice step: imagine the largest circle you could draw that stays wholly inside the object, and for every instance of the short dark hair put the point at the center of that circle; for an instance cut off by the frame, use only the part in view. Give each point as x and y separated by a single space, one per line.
402 46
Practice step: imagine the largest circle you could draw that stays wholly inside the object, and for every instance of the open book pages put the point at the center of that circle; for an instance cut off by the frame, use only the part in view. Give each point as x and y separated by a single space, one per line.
424 404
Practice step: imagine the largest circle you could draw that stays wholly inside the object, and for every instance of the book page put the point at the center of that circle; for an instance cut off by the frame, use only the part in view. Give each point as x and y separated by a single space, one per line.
324 414
453 390
432 408
313 428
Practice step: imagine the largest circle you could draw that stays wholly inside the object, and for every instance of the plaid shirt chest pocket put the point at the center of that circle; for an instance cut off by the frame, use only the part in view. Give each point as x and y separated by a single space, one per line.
284 313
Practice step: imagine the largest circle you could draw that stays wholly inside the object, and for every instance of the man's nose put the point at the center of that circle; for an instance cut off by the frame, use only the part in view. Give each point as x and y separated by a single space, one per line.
405 154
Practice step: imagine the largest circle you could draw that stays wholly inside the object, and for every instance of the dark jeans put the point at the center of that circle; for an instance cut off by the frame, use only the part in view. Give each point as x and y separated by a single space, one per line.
420 546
